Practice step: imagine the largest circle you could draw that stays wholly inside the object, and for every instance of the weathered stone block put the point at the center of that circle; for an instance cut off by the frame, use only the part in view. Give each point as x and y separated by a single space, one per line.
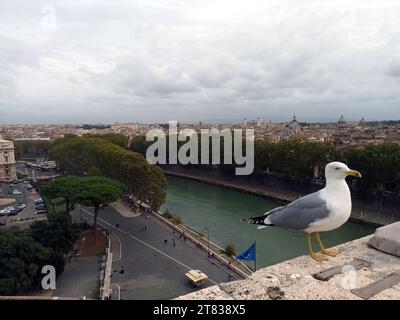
387 239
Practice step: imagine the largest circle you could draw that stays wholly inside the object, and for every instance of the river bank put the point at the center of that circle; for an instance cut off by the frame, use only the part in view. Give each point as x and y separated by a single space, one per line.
372 217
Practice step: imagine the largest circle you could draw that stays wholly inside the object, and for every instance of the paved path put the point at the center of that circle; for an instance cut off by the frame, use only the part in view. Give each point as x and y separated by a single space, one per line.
79 278
144 266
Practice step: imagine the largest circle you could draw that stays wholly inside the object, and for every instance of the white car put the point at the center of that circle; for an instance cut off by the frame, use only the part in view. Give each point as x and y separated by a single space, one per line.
5 211
16 193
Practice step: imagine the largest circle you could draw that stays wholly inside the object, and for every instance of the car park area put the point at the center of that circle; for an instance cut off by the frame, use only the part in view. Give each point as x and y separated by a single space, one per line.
24 202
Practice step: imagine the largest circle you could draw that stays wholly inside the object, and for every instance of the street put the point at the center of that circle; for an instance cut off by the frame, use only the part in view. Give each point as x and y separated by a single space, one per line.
147 264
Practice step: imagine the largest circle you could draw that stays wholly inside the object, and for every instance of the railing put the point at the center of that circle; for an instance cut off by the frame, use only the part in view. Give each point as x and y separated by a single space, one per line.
202 246
105 272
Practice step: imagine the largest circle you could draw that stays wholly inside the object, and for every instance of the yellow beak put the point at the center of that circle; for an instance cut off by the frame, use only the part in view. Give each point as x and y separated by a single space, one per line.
354 173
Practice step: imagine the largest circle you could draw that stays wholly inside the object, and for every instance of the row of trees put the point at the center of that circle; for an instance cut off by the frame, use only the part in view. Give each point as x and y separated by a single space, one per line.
40 148
90 156
32 149
23 253
379 164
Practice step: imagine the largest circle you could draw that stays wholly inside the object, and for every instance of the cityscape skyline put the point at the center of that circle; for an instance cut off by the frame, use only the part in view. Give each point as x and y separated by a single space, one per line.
212 122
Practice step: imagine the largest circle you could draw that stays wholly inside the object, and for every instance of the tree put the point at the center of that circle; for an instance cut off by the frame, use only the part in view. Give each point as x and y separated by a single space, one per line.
21 260
95 191
65 187
230 250
88 156
115 138
31 149
57 233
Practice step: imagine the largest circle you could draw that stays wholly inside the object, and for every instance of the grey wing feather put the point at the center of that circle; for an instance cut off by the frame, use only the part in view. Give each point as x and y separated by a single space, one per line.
300 213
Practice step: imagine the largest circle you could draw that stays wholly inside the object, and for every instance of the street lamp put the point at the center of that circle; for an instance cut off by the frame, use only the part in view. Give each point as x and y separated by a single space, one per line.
208 240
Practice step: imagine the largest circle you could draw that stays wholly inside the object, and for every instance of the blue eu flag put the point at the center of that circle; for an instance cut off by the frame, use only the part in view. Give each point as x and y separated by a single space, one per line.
249 254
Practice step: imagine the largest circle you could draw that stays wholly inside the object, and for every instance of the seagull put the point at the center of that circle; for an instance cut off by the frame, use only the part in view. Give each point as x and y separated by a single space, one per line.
325 210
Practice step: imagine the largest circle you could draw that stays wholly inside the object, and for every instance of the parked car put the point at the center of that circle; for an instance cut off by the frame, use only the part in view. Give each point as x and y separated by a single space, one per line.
41 211
21 206
3 223
39 200
13 212
17 192
10 211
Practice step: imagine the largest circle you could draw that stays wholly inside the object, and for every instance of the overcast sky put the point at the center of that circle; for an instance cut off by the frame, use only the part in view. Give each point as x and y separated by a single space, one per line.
189 60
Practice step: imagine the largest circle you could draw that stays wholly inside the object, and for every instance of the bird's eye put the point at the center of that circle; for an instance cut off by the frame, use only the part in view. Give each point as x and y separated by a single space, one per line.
337 168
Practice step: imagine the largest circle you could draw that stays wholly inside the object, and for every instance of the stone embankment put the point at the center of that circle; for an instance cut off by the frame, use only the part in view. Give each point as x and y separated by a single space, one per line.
367 268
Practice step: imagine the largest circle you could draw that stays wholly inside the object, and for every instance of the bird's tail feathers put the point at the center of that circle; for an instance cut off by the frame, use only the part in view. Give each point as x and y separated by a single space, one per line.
260 220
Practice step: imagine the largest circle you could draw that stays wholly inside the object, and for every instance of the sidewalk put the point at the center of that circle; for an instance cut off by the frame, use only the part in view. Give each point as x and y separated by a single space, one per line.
124 210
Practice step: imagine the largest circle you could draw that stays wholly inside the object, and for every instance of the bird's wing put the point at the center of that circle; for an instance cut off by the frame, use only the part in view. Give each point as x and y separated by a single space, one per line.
297 215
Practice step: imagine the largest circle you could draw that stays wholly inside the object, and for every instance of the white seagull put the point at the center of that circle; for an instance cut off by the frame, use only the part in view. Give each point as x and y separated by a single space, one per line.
324 210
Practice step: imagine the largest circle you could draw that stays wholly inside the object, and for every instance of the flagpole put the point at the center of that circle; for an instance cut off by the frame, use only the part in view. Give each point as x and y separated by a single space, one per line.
255 256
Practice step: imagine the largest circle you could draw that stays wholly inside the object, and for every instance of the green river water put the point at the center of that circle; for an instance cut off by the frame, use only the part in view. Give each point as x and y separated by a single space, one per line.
220 209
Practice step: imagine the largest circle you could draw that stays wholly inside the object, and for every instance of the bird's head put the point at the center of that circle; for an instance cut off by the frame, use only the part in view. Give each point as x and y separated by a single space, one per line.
339 171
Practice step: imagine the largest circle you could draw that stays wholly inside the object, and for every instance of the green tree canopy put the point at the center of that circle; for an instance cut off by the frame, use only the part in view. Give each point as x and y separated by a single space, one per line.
84 156
65 187
57 233
21 260
95 191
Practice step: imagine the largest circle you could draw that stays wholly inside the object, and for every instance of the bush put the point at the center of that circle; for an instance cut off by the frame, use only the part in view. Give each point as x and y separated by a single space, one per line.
174 217
168 214
177 218
230 250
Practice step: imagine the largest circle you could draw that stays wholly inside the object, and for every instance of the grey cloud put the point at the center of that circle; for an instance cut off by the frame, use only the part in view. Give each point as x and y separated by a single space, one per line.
199 60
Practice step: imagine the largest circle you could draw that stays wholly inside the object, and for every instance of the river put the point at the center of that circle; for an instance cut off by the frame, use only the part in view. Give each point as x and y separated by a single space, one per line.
220 209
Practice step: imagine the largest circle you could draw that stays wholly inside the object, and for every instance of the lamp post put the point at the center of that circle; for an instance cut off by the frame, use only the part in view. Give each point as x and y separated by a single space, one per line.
208 240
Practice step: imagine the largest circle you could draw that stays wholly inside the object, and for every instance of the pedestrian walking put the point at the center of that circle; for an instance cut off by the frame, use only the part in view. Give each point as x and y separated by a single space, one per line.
173 242
165 241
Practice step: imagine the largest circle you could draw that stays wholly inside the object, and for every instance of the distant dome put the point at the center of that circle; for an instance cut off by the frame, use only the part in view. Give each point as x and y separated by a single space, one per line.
342 124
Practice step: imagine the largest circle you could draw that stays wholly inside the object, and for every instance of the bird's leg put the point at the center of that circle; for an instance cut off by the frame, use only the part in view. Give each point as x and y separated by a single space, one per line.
310 250
329 252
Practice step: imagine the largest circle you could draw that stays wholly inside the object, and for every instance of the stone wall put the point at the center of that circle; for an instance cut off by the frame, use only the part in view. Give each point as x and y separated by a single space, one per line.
294 279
